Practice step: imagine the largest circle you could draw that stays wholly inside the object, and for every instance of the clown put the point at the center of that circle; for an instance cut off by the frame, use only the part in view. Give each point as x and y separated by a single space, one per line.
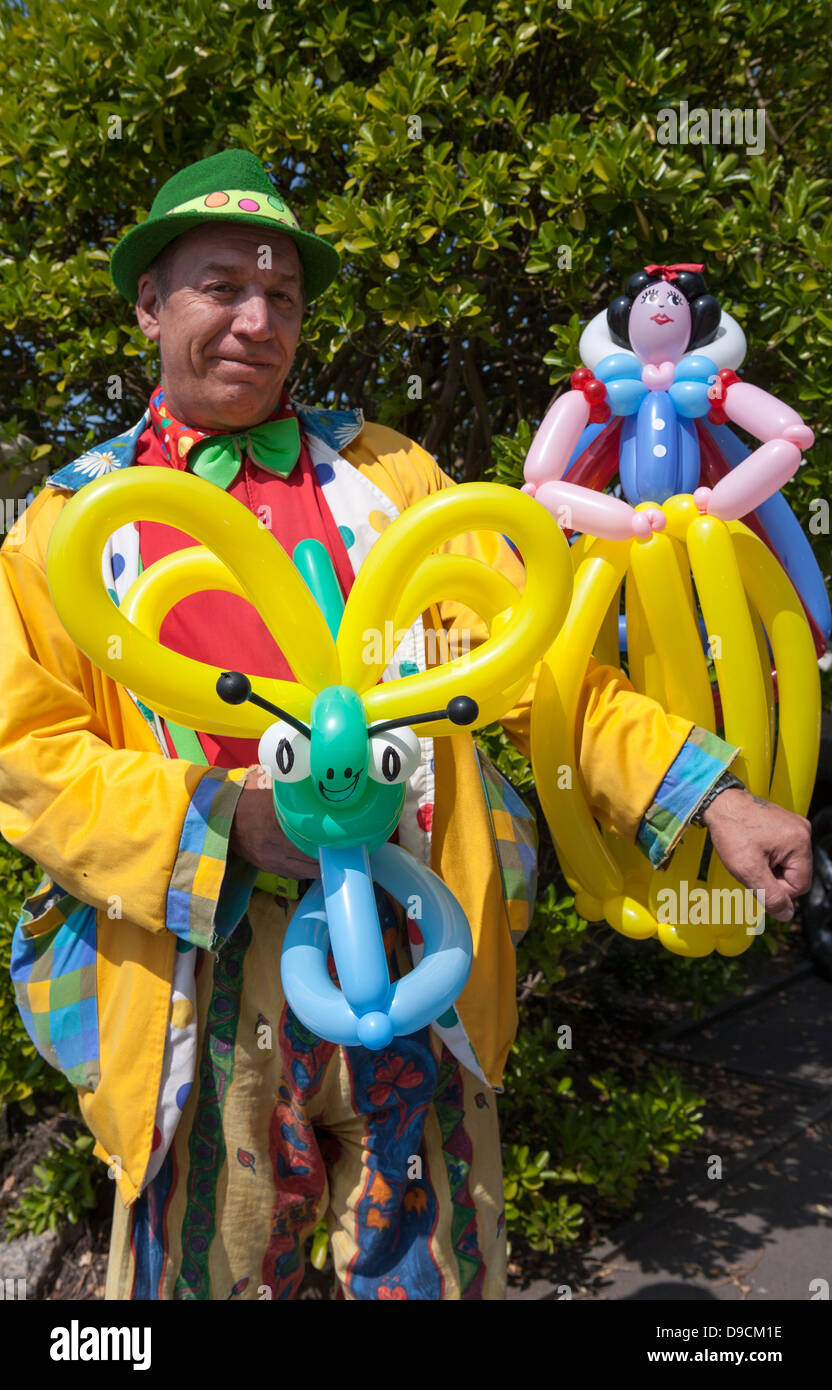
147 964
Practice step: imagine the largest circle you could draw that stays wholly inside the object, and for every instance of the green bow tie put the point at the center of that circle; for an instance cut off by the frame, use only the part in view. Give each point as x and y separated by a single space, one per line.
274 445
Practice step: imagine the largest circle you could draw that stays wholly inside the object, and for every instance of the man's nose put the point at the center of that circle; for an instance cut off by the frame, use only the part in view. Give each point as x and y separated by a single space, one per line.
252 316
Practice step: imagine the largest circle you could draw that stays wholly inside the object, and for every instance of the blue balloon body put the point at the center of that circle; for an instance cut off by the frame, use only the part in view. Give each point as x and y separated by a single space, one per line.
339 911
659 452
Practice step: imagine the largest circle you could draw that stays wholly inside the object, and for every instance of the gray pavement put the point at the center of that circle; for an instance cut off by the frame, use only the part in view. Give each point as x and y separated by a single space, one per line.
763 1229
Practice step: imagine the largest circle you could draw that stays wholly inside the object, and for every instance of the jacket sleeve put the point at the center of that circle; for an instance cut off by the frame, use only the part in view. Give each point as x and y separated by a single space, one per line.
124 829
644 771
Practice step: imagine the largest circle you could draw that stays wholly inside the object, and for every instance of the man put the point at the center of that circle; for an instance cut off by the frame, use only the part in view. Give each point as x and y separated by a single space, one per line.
147 964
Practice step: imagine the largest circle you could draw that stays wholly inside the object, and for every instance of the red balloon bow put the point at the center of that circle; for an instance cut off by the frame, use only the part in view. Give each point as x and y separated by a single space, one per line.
671 272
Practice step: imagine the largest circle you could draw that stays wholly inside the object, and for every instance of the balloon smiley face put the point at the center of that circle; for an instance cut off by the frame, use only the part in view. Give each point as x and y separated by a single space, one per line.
337 784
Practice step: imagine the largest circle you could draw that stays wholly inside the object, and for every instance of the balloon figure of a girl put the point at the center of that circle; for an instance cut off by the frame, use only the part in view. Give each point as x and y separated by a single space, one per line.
710 560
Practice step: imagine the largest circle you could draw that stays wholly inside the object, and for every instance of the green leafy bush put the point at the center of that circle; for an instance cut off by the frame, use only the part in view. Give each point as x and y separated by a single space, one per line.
65 1188
607 1142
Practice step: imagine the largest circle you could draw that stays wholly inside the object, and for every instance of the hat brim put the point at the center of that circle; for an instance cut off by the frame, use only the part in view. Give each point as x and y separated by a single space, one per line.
140 247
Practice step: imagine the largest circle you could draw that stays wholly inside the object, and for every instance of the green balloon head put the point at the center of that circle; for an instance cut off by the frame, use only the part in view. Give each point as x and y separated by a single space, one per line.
339 785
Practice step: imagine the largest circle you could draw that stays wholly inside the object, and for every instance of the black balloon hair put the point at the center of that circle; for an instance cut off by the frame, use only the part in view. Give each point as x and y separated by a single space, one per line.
704 309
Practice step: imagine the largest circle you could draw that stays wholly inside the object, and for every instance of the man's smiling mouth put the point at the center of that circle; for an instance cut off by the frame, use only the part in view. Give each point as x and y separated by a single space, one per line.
342 794
244 362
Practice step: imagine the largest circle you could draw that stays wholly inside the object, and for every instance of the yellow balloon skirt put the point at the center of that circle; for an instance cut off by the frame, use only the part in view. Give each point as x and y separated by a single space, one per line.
720 570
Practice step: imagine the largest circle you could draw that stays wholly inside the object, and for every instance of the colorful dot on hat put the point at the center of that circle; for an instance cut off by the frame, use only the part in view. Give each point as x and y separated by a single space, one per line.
248 205
184 444
113 596
277 202
325 473
118 565
347 536
414 933
448 1019
408 668
182 1094
157 1138
378 521
424 816
216 200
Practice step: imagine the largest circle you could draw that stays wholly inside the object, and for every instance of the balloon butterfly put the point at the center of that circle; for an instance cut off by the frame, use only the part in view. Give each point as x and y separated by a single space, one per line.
339 743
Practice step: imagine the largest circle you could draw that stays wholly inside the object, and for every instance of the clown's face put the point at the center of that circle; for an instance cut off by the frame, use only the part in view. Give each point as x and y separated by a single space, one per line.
659 324
230 324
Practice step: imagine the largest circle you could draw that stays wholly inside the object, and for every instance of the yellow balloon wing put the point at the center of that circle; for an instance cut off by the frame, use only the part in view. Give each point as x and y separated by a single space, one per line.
389 583
171 578
180 688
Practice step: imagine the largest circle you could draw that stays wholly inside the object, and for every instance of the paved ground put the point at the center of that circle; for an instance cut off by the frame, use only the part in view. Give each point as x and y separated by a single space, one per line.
763 1230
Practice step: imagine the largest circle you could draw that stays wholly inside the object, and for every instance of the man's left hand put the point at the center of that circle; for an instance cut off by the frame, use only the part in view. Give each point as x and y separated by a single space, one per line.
766 848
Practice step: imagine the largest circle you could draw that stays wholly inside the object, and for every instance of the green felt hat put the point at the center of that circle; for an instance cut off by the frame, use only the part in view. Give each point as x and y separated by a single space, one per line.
232 185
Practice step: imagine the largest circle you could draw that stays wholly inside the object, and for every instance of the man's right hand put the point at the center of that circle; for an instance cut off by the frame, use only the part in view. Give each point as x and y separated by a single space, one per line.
257 837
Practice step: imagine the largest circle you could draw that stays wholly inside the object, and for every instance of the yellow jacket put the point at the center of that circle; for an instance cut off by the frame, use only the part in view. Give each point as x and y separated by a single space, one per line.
86 793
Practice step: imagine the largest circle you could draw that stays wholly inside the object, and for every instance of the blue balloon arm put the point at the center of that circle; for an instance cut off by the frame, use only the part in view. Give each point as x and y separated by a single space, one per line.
341 908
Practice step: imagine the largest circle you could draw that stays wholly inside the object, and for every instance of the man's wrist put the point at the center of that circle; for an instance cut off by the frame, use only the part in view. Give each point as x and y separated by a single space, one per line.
723 783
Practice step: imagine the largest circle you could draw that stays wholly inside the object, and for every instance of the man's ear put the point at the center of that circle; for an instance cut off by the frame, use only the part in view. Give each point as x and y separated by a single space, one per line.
148 304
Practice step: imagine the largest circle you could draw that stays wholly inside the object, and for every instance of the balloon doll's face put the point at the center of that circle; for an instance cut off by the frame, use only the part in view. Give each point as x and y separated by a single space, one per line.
341 785
659 325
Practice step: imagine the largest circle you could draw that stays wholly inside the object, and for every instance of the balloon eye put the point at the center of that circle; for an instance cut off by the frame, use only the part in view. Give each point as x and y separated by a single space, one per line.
285 752
394 756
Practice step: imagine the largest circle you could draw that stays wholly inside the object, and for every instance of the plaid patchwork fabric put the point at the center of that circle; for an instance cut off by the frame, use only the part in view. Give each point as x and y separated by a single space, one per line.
702 758
515 841
236 888
209 889
54 977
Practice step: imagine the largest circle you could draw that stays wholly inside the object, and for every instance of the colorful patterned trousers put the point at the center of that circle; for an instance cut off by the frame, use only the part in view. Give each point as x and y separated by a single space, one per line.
398 1149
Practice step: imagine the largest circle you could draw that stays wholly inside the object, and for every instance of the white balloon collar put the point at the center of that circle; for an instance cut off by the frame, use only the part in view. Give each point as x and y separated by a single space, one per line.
727 349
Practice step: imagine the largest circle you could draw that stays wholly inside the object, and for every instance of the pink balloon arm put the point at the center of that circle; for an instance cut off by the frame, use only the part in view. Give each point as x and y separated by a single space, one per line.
765 416
554 443
753 481
577 508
